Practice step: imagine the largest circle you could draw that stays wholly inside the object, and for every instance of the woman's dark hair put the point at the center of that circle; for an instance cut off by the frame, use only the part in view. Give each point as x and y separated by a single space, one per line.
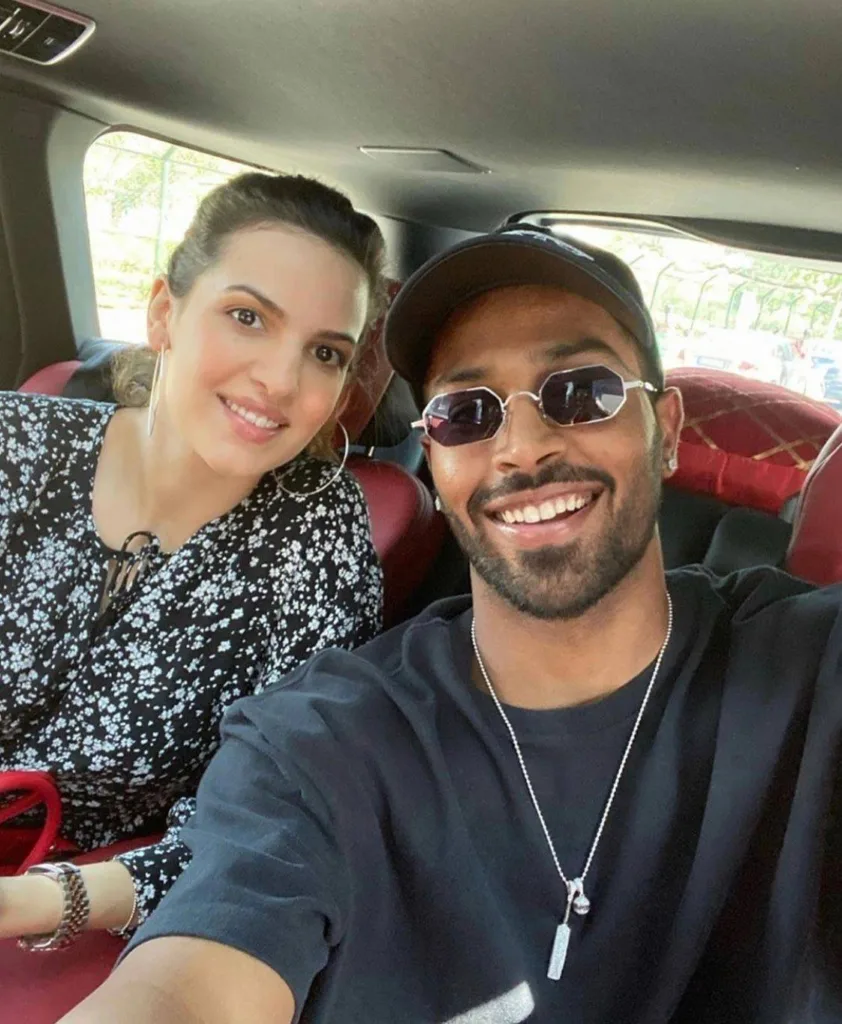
256 200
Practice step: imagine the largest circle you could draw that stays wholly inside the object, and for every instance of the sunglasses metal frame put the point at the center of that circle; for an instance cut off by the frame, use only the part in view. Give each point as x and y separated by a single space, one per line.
628 385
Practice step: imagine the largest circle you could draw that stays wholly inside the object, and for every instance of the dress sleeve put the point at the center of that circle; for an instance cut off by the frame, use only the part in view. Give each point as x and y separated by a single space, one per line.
39 436
335 596
154 868
23 440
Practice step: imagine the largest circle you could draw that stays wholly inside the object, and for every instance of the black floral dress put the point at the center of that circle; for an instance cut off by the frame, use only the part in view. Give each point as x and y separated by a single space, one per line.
124 709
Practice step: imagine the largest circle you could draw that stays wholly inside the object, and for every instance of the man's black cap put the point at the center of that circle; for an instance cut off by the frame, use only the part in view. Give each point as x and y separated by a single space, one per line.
517 254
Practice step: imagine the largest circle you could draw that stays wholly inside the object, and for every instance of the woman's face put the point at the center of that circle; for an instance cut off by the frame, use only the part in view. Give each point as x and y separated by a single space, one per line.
258 350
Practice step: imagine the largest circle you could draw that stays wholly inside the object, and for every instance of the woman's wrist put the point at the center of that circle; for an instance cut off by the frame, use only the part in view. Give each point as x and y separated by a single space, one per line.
33 905
111 892
29 905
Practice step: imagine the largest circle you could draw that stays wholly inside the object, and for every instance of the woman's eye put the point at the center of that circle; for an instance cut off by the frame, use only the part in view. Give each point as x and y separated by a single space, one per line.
246 317
330 356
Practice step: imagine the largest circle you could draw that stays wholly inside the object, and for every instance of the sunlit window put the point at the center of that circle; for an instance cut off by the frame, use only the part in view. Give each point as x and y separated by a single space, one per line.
773 318
141 194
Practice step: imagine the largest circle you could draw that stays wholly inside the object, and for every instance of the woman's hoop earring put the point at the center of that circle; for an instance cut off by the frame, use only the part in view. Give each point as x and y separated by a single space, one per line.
155 392
672 463
333 479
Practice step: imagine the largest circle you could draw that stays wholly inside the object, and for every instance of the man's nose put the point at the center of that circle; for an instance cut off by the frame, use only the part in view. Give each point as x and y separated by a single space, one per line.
527 439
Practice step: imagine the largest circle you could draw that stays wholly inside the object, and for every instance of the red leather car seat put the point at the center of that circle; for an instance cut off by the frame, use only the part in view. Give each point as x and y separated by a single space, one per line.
407 530
815 552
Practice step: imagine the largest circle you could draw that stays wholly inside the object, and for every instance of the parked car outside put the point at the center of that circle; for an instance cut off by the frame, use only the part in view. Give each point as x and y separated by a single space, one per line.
752 354
830 373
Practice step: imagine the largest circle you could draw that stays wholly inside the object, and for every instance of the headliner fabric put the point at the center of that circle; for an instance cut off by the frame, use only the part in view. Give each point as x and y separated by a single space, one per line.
746 442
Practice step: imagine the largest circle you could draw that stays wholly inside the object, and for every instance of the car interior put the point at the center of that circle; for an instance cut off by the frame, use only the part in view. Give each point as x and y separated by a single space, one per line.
705 124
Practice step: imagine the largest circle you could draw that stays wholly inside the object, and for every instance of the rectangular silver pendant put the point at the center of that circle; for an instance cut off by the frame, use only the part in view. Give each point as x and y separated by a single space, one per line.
559 951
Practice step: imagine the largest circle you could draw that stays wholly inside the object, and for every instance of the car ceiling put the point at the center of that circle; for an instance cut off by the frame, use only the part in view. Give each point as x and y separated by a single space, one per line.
726 109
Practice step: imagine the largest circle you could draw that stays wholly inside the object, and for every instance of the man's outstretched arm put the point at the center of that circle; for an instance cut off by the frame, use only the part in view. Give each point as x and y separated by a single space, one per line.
178 980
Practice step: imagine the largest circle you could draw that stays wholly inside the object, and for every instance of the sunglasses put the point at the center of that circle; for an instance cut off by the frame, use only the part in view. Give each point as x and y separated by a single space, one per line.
567 398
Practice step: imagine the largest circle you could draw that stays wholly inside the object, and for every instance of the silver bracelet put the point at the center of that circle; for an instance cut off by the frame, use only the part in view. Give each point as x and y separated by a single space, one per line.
126 930
75 911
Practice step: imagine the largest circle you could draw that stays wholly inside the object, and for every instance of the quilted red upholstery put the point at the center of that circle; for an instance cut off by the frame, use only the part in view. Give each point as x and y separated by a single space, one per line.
407 530
746 442
815 551
51 380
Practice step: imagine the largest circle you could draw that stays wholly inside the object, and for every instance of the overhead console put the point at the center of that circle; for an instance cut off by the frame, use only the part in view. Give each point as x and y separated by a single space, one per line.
40 32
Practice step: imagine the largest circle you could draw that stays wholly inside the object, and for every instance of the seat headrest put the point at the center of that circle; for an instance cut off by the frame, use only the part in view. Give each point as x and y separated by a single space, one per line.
52 379
746 442
374 374
815 552
406 529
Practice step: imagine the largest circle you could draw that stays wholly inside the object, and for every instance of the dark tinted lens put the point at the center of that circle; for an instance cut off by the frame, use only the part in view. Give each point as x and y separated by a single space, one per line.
463 417
582 396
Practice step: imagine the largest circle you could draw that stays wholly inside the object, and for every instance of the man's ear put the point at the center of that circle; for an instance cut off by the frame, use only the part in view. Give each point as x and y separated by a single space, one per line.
158 313
669 408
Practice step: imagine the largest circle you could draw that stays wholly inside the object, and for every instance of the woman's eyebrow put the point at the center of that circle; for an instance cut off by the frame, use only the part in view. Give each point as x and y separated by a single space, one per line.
265 301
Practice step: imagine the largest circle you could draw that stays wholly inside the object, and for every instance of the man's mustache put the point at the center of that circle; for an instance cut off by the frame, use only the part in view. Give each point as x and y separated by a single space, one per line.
557 473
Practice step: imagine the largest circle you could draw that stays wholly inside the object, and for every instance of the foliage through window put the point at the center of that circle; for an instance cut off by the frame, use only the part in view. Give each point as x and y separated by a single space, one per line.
141 194
774 318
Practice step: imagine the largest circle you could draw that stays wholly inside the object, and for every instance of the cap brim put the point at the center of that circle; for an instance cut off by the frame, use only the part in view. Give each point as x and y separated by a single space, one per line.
429 297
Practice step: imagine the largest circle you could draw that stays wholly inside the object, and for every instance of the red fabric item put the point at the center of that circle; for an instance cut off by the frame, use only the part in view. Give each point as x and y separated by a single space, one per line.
20 848
815 551
408 531
745 442
51 380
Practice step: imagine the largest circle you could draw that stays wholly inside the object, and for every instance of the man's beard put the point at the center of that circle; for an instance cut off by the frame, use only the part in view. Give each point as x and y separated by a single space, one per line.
563 582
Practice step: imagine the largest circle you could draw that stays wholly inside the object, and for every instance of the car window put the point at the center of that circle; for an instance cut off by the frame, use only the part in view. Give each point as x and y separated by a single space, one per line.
141 194
773 318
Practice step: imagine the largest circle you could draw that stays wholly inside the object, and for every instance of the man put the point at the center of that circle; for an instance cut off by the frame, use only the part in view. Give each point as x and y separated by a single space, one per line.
587 793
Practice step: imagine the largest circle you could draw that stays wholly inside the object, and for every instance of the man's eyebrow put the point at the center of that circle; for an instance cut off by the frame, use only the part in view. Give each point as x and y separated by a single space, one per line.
565 349
467 375
264 300
561 350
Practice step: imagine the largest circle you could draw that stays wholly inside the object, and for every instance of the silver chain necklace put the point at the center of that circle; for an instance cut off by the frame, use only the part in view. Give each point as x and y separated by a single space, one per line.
577 901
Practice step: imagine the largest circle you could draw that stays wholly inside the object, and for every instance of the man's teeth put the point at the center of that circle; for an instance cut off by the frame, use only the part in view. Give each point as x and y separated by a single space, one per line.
546 510
252 417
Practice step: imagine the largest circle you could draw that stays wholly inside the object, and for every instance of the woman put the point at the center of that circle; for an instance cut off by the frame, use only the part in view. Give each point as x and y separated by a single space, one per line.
155 562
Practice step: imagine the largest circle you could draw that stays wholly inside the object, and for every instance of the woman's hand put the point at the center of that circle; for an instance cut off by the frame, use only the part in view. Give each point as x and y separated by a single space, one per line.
32 904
